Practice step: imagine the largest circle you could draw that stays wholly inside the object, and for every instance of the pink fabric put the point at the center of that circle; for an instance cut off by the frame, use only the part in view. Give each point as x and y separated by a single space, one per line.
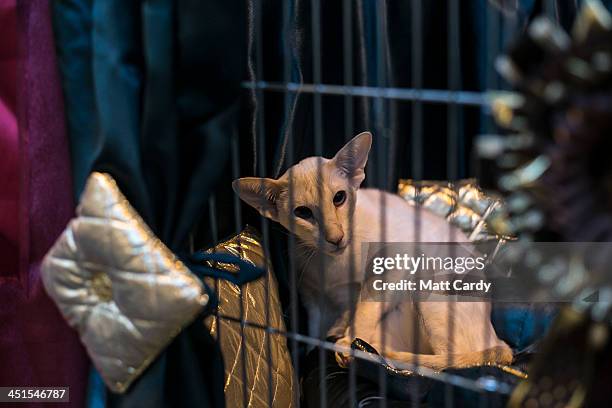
9 195
37 348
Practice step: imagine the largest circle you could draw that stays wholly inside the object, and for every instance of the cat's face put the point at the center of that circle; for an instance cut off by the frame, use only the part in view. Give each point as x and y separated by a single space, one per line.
317 195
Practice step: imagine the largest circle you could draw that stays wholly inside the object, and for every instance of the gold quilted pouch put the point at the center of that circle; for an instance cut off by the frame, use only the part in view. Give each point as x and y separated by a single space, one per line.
118 285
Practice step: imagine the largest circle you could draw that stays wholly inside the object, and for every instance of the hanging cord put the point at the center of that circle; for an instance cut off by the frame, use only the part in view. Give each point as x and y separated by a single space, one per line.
364 63
391 111
251 71
296 40
198 263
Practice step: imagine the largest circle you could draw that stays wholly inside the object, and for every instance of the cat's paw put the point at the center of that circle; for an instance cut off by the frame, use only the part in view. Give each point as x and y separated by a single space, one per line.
499 354
343 356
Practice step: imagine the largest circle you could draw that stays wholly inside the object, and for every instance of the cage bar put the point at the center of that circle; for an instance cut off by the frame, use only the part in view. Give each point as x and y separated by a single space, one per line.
347 37
288 29
416 94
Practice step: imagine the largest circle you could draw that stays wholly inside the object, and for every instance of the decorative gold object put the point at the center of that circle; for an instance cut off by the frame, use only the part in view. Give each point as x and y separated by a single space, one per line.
482 217
558 189
118 285
253 343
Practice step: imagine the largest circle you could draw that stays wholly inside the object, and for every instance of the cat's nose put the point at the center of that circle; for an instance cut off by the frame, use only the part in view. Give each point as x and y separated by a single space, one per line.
335 239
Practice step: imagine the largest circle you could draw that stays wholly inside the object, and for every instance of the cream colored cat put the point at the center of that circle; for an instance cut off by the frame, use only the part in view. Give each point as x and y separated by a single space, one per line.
326 196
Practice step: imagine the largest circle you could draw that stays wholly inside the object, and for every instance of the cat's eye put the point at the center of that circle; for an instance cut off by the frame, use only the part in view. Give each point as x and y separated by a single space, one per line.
303 212
340 198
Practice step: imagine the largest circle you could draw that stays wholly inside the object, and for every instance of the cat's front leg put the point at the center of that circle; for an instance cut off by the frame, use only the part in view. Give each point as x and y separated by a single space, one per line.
371 319
343 354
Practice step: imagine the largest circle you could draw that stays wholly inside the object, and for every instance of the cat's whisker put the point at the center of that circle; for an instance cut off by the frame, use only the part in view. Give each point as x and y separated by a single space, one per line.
309 253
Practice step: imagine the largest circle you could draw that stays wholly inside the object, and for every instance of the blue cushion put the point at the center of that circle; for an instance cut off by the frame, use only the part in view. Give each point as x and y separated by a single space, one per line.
521 324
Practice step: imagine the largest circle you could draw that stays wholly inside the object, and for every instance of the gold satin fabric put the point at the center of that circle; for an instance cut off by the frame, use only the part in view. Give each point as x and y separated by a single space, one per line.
257 344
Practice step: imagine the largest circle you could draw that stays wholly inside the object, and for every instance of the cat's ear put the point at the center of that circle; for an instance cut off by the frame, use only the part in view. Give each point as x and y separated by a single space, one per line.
259 193
352 158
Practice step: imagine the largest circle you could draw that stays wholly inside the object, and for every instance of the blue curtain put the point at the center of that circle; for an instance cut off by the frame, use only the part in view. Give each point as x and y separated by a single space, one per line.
152 97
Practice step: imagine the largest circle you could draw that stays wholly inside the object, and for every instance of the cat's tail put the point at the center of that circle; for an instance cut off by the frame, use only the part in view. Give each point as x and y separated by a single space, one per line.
495 355
404 360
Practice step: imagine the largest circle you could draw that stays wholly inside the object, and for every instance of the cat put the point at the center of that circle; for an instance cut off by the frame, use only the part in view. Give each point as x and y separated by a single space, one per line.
326 198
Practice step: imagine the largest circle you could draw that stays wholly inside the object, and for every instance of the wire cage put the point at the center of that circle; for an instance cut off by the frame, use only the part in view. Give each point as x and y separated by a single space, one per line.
415 74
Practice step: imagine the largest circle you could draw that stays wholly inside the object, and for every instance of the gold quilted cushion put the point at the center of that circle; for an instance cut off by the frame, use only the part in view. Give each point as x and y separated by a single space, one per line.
118 285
